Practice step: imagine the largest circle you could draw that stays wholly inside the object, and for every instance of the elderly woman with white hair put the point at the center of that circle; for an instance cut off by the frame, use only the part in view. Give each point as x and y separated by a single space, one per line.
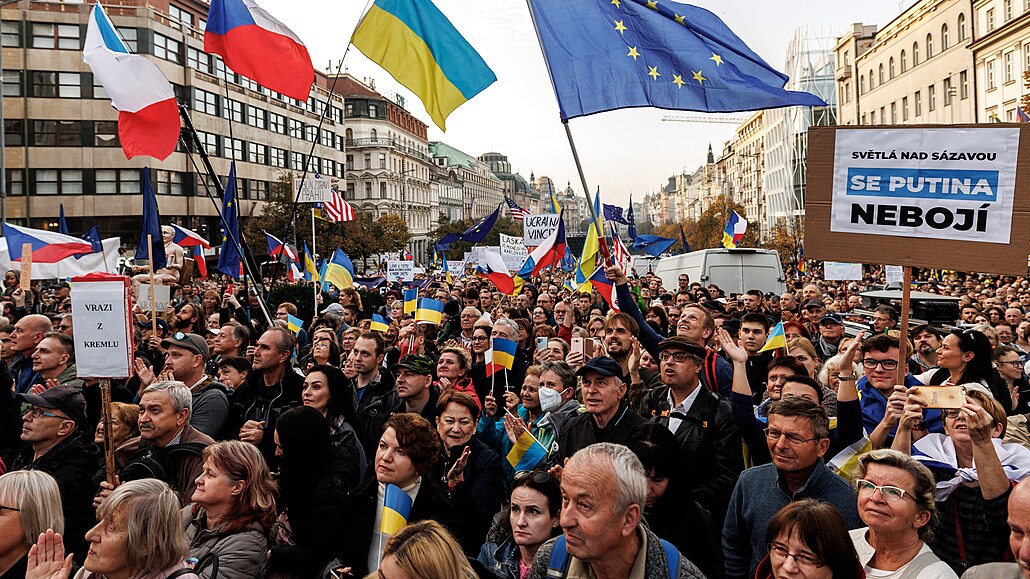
139 535
30 503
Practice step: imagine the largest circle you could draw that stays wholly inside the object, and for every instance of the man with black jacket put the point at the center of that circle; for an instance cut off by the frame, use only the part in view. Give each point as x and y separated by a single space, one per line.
374 389
702 422
608 418
58 447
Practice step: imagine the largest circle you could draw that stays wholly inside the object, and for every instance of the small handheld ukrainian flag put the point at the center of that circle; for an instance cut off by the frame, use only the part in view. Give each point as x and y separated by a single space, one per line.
378 324
310 271
527 452
396 509
501 355
410 300
777 339
294 323
429 311
340 271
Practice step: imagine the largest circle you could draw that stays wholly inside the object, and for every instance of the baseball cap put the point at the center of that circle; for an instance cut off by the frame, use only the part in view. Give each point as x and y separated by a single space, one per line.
603 365
417 363
61 398
683 343
333 309
192 342
161 325
813 303
831 317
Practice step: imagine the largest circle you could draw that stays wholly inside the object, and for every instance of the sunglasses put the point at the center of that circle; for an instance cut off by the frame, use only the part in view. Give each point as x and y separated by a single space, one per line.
538 476
180 336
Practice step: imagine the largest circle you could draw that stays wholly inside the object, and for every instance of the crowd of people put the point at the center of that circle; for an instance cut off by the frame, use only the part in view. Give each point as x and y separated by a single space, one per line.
673 442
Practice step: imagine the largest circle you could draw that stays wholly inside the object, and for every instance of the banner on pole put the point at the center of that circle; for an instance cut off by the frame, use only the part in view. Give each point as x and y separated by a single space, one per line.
837 271
103 344
315 190
162 295
537 228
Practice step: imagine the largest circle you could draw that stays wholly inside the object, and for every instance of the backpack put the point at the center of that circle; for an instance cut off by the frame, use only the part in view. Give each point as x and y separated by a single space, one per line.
558 564
160 463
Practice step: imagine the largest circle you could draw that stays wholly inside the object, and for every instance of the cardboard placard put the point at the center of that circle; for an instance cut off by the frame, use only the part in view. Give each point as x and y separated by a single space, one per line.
315 190
397 270
101 309
953 197
894 273
837 271
162 295
536 228
26 267
513 252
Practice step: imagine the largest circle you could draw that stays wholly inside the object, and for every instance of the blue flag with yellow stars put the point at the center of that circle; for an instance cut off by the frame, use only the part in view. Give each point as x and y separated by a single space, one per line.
473 234
229 258
614 54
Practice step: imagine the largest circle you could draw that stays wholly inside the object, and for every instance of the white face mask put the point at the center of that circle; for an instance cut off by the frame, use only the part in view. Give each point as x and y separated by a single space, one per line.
550 399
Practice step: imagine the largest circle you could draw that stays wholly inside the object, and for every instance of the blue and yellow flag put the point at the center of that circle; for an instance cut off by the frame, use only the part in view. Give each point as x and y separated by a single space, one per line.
614 54
420 48
396 509
555 204
776 339
429 311
340 270
526 453
447 272
410 300
378 324
501 355
294 323
590 259
310 272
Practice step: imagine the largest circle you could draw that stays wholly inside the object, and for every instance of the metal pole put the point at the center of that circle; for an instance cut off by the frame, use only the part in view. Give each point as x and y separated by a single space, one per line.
3 138
590 202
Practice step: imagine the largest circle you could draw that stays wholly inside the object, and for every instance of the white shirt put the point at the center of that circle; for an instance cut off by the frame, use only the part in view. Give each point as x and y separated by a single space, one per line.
938 570
682 408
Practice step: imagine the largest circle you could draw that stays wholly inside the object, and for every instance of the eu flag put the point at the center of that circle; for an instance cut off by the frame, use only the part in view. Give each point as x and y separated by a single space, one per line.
474 234
229 256
151 225
653 245
614 54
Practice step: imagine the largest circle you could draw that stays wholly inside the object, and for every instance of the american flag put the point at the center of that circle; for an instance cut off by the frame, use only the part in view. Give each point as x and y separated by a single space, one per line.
336 210
517 213
621 254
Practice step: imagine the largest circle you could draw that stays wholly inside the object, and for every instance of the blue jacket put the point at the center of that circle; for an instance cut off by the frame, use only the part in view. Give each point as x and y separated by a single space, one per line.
502 560
491 432
760 493
874 406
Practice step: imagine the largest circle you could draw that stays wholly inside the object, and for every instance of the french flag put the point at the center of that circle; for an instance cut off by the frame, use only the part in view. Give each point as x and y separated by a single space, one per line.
277 248
148 115
258 46
188 238
47 246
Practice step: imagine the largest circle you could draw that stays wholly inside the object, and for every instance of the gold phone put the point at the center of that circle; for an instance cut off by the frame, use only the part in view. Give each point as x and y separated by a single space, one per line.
941 396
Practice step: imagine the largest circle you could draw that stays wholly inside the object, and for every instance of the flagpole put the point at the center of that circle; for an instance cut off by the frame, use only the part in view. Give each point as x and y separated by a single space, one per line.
314 282
153 304
586 191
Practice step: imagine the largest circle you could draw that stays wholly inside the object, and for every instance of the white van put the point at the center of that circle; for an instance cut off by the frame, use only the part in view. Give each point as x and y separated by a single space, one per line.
643 264
733 270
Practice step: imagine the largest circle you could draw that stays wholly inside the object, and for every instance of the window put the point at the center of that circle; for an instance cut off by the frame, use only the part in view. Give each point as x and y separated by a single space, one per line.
13 85
861 84
961 27
1026 57
277 157
847 92
990 19
904 109
58 182
992 82
257 153
944 37
205 102
931 98
328 138
382 160
949 91
222 71
929 46
915 54
257 189
167 48
311 134
890 70
883 116
10 34
846 61
105 134
234 110
169 183
210 142
14 132
904 62
373 111
56 36
963 84
118 181
276 123
180 15
880 78
128 37
894 113
234 149
198 60
382 190
350 162
56 84
1007 64
296 128
1007 7
350 191
298 162
918 102
15 181
57 133
368 189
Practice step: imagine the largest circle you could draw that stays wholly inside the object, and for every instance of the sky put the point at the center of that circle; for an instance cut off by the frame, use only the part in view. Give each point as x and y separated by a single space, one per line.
624 151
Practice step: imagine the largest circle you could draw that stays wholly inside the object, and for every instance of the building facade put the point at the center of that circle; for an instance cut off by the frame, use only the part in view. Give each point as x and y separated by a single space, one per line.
1001 55
477 180
515 186
749 165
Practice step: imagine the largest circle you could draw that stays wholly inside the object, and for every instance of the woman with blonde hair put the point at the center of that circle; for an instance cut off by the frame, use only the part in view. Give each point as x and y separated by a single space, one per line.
426 550
233 511
30 503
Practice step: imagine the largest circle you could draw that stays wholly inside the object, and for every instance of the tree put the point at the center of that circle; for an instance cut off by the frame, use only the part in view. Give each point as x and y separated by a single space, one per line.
707 232
786 238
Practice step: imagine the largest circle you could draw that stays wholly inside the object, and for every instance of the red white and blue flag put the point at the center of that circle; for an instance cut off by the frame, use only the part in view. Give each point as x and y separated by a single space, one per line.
336 210
620 253
198 259
517 213
256 45
277 248
188 238
148 115
47 246
492 267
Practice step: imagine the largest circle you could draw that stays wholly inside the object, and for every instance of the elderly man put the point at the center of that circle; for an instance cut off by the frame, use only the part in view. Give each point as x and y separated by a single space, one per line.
54 359
231 341
1019 541
608 418
27 334
605 489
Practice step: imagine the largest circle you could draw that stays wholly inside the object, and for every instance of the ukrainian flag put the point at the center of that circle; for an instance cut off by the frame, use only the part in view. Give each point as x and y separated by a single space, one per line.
447 272
396 509
777 339
379 324
527 452
410 300
310 272
340 270
590 258
429 310
501 355
294 323
555 206
420 48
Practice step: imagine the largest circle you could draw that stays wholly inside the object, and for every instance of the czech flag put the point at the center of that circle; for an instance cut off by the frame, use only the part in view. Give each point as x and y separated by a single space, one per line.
277 249
429 311
410 300
47 246
492 268
605 287
148 115
379 324
188 238
200 261
258 46
776 339
734 231
339 271
501 355
396 509
526 453
549 253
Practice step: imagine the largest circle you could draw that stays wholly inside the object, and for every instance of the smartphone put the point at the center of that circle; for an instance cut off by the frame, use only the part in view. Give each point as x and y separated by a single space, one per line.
541 343
230 290
941 396
578 345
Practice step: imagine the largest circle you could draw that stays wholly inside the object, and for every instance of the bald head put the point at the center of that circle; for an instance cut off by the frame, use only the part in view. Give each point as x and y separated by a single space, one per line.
1019 523
28 332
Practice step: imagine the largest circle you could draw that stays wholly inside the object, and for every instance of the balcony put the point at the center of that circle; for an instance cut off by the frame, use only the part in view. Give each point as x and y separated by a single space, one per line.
843 73
354 144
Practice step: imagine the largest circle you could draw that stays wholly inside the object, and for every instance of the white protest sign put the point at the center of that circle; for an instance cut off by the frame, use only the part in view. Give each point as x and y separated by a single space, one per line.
456 267
397 270
536 228
103 342
894 273
838 271
946 184
315 190
162 295
513 251
475 256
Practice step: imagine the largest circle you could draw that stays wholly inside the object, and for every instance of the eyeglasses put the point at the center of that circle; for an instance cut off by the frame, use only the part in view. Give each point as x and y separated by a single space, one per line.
180 336
678 357
792 439
479 338
950 412
888 492
780 550
871 364
1013 363
538 476
4 508
38 412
